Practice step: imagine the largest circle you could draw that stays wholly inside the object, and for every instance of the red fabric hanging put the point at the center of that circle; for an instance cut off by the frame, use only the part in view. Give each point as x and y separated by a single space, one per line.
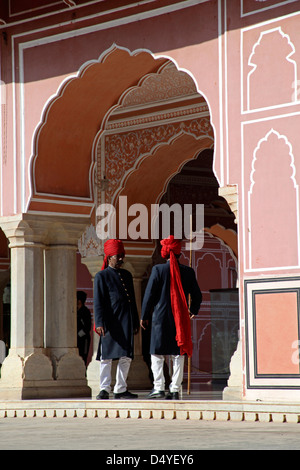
170 248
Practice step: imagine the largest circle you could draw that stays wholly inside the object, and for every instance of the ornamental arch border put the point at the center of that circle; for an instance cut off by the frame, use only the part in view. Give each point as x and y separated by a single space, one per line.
88 200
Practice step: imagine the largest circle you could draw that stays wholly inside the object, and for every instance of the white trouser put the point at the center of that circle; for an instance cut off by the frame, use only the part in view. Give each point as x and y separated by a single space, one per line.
121 374
157 366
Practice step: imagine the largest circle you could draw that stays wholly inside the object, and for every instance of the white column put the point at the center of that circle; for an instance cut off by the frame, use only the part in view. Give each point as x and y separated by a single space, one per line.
43 308
234 389
27 322
26 367
60 296
61 309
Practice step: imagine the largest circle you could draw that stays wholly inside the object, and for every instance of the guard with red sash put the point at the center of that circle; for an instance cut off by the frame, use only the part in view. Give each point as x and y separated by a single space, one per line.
167 296
116 320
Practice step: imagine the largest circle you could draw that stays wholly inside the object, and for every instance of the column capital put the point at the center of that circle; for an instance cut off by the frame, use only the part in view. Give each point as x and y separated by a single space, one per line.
137 265
230 193
93 263
21 230
43 229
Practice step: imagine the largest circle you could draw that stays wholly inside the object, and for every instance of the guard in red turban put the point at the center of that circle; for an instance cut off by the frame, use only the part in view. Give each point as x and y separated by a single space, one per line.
116 320
167 292
170 248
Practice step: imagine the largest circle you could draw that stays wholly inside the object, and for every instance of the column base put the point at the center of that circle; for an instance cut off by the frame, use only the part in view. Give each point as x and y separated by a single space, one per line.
50 390
30 377
234 389
232 394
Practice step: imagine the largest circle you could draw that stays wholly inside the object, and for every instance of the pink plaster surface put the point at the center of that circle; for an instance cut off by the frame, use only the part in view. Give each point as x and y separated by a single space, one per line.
276 332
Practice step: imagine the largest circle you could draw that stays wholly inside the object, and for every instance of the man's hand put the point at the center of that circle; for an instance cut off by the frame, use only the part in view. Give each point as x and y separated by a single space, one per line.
144 324
100 331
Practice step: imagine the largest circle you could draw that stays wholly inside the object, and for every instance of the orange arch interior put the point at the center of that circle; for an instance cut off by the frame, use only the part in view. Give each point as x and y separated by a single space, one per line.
147 183
64 141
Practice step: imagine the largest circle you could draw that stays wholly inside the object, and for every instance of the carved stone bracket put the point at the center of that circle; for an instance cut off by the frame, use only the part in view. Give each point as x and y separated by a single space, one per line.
230 193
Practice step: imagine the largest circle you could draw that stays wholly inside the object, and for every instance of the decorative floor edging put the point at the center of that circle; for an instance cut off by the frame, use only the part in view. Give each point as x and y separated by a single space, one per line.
181 410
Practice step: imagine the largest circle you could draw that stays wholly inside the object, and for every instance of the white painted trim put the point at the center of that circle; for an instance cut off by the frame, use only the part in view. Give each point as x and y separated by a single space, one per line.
247 268
62 197
1 139
33 9
139 107
264 139
221 143
244 109
257 44
274 285
270 7
278 19
22 134
65 203
163 121
158 11
65 214
75 33
270 118
14 124
226 94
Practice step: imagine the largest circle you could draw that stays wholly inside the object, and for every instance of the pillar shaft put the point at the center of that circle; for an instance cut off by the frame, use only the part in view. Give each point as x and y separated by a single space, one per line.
27 285
60 295
27 315
43 309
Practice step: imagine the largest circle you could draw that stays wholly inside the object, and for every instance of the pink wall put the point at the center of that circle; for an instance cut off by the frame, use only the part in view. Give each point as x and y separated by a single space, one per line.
244 56
42 60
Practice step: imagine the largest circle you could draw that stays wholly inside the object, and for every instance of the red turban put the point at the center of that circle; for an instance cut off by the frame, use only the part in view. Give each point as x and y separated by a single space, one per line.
170 245
112 247
170 248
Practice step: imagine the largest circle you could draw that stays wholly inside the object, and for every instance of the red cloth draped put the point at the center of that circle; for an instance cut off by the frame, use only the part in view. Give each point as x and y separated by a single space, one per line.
112 247
170 248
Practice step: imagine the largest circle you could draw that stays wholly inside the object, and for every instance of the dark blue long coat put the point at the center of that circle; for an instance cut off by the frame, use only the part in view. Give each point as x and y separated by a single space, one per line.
157 299
115 309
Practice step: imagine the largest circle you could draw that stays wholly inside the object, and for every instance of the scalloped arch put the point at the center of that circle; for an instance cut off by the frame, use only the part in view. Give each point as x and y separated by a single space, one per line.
62 161
168 158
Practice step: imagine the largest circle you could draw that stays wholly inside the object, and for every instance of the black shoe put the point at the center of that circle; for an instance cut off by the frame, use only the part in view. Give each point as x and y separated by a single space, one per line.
126 395
156 394
172 396
102 395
